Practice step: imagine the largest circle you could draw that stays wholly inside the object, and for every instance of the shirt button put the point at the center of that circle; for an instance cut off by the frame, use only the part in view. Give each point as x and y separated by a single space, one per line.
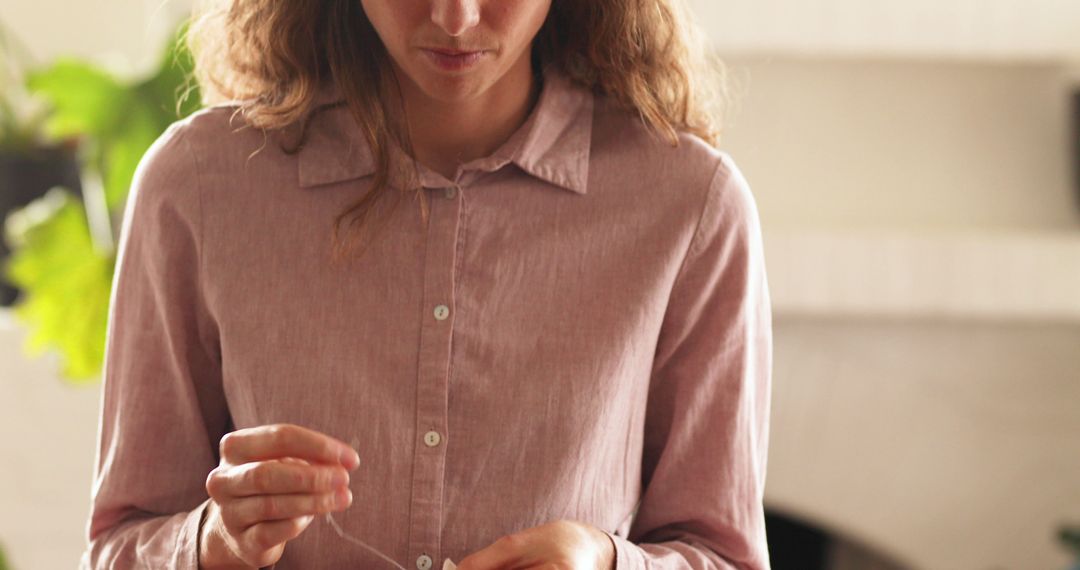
450 192
432 438
424 562
441 312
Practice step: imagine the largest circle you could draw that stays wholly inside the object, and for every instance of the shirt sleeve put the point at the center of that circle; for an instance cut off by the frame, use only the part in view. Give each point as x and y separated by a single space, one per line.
707 415
163 411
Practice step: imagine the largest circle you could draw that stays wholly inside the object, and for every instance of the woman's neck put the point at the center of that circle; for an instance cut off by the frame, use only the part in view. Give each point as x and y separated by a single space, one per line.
445 134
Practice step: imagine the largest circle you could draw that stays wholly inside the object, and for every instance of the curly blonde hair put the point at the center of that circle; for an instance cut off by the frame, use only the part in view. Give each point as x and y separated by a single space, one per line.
273 55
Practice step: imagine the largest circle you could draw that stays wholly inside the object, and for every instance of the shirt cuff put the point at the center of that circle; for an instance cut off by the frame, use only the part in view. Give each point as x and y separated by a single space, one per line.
187 540
628 556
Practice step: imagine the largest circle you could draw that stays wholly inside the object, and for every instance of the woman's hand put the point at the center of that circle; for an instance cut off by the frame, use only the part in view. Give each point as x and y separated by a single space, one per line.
565 544
270 484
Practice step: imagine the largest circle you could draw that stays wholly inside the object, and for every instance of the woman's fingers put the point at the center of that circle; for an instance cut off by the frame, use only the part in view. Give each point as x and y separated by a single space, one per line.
261 545
276 441
277 476
239 515
270 483
265 536
280 477
294 460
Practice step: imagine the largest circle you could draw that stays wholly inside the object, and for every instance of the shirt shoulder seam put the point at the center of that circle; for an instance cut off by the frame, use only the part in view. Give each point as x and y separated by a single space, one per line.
199 201
694 240
200 233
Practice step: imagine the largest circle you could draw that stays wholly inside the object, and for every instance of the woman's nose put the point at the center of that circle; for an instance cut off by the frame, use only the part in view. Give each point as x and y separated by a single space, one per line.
455 17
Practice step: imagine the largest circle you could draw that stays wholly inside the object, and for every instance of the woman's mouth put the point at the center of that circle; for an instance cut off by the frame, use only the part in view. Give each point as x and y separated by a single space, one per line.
453 60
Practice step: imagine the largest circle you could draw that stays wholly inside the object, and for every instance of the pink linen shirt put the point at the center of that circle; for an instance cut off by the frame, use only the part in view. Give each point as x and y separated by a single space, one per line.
581 330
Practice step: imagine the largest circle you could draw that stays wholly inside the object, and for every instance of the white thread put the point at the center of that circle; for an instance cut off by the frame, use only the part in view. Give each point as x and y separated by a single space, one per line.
355 443
446 563
333 522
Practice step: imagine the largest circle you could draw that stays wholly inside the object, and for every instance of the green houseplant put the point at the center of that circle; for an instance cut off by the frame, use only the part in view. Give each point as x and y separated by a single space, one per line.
64 244
29 164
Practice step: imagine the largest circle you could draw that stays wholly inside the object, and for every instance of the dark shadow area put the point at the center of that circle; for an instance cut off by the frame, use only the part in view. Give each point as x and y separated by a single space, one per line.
794 545
797 545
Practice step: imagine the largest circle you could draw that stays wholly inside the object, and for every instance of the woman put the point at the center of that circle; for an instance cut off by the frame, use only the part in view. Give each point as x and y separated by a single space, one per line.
559 355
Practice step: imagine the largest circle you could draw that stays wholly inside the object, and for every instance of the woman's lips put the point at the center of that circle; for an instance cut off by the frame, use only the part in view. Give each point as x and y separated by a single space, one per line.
451 60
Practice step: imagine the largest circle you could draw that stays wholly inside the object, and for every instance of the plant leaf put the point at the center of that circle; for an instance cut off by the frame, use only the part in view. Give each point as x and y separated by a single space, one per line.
122 152
85 100
172 89
66 283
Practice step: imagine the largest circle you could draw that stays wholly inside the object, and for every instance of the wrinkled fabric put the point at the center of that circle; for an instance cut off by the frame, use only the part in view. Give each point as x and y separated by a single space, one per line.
580 329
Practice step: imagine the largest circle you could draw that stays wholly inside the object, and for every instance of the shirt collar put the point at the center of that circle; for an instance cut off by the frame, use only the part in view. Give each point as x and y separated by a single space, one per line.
552 145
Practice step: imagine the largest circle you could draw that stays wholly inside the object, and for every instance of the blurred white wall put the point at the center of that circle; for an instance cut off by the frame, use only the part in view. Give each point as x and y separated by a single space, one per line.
50 433
944 444
124 35
954 29
906 144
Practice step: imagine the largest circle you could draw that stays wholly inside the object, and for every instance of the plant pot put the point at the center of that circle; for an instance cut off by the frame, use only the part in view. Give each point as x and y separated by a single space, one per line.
26 176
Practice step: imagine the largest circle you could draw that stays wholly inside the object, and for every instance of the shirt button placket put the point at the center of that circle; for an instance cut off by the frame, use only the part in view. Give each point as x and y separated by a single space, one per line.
436 331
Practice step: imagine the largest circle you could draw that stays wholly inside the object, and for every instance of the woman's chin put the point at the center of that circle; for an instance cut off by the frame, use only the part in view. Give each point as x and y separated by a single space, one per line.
453 88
